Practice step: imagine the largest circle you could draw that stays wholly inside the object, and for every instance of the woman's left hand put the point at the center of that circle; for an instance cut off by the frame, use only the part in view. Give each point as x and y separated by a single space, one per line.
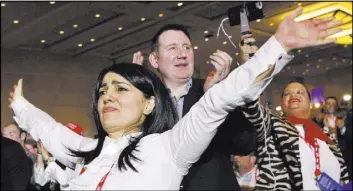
17 92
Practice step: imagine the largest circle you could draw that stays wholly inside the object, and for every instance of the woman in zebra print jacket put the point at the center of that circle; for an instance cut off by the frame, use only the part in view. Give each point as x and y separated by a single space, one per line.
286 160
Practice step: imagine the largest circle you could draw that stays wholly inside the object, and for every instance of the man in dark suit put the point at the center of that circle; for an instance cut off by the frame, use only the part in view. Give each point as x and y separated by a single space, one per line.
172 55
16 167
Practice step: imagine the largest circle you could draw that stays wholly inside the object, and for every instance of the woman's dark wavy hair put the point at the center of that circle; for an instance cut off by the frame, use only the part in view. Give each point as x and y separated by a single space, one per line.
162 118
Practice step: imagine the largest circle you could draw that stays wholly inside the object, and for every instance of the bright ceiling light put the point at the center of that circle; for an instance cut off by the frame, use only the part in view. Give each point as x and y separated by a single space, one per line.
97 15
271 24
299 51
237 53
3 4
340 34
16 21
161 15
61 32
316 10
347 97
196 47
278 108
92 40
143 19
224 42
206 39
258 20
42 41
75 26
317 105
206 32
80 45
180 4
120 28
52 2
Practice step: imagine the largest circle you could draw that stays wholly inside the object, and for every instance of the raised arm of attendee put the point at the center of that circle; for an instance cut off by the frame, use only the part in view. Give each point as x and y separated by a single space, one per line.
56 138
193 133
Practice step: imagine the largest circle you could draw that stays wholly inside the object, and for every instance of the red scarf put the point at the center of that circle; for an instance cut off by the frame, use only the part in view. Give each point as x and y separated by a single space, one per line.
311 129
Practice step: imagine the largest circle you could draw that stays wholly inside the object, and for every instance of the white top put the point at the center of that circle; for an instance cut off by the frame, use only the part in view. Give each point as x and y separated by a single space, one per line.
167 156
53 173
248 180
328 162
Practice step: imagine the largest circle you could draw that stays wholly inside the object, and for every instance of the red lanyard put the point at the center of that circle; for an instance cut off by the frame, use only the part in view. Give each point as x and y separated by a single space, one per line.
317 156
101 183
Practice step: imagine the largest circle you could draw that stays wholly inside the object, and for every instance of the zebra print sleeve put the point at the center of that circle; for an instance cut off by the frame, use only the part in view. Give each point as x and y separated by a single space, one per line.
259 117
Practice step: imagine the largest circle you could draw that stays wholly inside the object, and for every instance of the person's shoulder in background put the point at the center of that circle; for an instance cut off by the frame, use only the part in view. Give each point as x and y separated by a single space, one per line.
16 168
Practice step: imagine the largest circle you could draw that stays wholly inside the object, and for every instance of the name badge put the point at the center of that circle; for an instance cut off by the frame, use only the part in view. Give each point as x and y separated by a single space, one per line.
326 183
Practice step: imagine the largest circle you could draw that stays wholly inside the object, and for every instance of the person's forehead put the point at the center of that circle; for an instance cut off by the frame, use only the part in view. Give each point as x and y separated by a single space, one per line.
11 128
330 100
173 36
294 86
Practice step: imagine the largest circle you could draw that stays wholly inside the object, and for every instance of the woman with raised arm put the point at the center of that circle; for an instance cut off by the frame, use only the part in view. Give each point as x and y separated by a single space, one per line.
139 146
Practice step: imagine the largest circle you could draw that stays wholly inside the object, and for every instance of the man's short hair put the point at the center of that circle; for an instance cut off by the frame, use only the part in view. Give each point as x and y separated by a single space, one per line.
299 82
31 142
175 27
332 97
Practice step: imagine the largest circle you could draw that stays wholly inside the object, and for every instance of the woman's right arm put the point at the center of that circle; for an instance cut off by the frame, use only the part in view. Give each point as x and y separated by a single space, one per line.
56 138
259 117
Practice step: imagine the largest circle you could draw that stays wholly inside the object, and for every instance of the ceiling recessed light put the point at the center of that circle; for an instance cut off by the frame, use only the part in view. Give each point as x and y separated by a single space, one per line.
75 26
52 2
180 4
237 53
61 32
120 28
308 65
299 51
80 45
206 39
16 21
42 41
161 15
143 19
3 4
271 24
224 42
196 47
258 20
206 32
97 15
92 40
318 66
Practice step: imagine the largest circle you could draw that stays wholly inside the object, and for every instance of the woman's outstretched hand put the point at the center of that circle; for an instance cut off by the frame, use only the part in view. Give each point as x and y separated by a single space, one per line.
17 92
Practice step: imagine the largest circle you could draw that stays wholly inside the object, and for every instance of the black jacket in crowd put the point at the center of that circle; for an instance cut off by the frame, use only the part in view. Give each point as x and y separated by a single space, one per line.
16 167
213 171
